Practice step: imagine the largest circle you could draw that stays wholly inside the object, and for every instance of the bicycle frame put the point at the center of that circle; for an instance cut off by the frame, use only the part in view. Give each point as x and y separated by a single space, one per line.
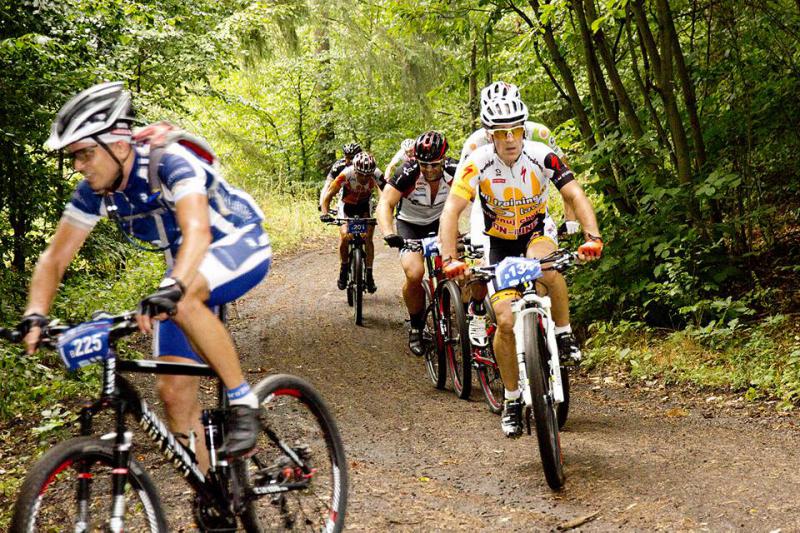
119 394
530 302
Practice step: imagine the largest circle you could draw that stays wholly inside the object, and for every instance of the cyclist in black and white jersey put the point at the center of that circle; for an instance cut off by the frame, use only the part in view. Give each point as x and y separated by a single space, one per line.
418 189
349 150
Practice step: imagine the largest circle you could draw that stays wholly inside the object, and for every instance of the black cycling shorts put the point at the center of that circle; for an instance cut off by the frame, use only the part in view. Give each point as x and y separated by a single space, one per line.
408 230
360 210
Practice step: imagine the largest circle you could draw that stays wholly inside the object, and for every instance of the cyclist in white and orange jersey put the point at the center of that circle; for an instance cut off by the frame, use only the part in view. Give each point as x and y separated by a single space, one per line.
511 177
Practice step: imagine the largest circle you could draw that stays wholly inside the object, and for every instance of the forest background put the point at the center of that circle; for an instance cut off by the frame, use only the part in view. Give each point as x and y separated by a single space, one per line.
680 119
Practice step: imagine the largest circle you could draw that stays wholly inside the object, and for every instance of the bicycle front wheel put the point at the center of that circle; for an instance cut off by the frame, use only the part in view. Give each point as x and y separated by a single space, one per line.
433 342
457 339
357 279
70 489
297 476
544 409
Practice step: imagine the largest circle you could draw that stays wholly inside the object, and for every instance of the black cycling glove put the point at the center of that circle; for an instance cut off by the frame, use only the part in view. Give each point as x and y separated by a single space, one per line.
394 240
164 300
30 321
326 217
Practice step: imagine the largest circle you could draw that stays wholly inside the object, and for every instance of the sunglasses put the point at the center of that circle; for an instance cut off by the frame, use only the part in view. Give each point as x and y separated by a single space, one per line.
83 155
517 133
435 164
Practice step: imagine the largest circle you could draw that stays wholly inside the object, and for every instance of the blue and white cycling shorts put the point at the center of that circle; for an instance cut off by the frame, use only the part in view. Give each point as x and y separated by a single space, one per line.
232 266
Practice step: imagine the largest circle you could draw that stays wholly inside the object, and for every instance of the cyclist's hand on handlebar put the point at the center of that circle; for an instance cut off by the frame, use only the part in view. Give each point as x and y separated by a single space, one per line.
31 329
325 217
161 304
394 240
591 250
455 269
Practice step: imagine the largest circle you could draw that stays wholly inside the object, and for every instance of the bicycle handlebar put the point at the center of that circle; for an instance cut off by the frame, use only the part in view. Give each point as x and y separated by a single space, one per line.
560 260
336 221
123 325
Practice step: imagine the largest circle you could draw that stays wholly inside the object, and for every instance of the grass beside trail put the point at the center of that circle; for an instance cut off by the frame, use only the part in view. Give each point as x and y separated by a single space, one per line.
760 360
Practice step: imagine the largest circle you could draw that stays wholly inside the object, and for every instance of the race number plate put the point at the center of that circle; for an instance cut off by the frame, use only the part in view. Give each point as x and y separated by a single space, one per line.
356 226
85 344
514 271
430 246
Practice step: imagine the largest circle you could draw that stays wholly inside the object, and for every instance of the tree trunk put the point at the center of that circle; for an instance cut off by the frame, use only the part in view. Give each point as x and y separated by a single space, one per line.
596 79
569 80
667 90
645 90
327 135
474 103
687 87
620 92
610 188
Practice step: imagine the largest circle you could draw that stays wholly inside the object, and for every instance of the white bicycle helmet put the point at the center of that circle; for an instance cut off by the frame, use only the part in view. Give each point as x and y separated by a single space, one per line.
498 89
102 112
504 112
407 144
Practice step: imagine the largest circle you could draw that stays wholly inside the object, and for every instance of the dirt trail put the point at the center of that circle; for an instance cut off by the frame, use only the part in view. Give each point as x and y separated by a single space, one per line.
421 459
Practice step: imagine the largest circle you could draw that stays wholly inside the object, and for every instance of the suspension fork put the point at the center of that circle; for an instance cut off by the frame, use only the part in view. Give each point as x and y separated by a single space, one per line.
119 474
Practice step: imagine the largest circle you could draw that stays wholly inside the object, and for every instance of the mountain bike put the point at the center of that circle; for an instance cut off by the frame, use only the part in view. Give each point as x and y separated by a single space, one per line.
296 476
480 332
444 315
357 267
540 372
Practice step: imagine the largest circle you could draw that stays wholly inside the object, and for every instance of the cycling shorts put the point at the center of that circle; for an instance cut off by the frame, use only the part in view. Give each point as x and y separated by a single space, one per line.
359 210
499 249
232 266
407 230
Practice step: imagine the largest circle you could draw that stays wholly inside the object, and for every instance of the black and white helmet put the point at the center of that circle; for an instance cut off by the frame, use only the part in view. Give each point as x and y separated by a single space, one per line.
351 149
504 112
102 111
498 89
364 163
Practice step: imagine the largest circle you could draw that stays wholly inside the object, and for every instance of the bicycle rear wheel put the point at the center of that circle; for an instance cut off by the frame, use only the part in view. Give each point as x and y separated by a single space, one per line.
458 347
357 279
544 409
69 489
297 426
433 340
489 373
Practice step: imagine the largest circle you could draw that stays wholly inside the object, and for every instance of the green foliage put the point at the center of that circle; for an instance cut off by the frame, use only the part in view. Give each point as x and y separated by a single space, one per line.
761 360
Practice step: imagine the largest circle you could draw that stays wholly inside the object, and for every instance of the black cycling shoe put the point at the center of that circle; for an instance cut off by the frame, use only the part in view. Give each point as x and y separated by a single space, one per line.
371 287
242 432
568 350
415 343
342 281
511 421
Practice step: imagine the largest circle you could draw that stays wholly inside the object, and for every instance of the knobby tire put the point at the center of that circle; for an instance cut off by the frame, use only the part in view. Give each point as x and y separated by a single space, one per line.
544 412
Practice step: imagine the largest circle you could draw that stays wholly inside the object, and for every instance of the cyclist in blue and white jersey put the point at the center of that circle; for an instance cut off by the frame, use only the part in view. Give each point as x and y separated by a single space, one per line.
210 234
418 191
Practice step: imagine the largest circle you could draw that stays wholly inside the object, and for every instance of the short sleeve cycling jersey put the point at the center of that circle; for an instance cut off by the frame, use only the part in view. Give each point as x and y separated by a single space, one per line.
151 216
337 168
533 132
513 199
399 158
355 191
418 205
